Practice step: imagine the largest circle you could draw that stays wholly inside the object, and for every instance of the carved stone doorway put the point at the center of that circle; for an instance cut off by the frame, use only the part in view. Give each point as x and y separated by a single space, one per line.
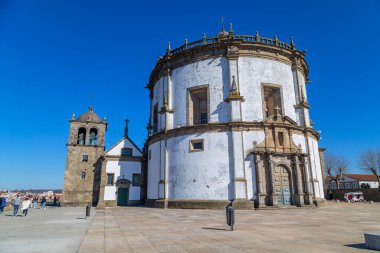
282 185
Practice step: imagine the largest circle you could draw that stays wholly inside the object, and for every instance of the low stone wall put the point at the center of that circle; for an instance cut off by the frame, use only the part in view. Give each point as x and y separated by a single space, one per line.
369 194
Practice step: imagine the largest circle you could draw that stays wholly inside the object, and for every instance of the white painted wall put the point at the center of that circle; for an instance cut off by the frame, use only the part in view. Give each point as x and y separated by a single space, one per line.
120 169
153 170
253 72
125 143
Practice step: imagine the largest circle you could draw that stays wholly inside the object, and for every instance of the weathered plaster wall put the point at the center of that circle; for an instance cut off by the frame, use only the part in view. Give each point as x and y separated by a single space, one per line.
154 170
120 169
253 72
316 167
202 174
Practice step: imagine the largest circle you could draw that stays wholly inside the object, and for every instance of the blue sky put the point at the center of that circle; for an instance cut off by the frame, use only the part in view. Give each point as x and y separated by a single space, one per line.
57 55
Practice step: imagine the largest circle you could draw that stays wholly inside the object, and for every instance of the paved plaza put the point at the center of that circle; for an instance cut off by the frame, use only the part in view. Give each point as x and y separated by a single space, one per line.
337 228
52 230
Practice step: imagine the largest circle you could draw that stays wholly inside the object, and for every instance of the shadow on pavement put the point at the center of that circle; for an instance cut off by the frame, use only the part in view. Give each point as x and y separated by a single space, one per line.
357 246
223 229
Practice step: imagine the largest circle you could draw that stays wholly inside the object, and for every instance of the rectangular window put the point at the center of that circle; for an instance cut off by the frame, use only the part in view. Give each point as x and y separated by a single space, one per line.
280 139
272 101
110 178
84 158
126 152
198 106
196 145
136 180
155 119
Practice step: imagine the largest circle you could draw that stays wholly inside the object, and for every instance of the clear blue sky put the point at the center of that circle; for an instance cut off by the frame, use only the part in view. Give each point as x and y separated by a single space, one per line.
56 55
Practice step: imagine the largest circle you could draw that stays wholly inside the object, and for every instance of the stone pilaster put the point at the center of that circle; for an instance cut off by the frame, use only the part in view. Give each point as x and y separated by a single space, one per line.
103 183
299 201
261 193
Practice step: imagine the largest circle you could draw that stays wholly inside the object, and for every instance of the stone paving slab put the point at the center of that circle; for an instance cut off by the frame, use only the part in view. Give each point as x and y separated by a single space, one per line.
49 230
337 228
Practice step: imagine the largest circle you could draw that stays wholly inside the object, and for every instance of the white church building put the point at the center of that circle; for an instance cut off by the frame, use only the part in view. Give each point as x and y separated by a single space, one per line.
230 121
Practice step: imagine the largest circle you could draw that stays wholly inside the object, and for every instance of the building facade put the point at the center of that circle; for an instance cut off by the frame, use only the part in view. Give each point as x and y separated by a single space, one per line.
124 174
84 148
353 181
229 120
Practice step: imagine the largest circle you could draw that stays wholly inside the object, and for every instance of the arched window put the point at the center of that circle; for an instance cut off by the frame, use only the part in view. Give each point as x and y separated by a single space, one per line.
83 174
93 136
82 136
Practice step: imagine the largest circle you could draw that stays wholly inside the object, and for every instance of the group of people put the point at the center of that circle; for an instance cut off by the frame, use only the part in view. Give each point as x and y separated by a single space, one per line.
25 203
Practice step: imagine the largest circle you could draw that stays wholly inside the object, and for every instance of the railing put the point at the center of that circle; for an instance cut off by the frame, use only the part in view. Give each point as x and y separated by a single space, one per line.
255 39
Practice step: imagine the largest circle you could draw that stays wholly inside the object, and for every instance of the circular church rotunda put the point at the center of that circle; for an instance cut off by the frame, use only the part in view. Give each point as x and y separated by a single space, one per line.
229 120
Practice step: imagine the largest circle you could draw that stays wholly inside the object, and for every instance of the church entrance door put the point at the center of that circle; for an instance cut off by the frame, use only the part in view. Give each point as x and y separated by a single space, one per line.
122 196
282 184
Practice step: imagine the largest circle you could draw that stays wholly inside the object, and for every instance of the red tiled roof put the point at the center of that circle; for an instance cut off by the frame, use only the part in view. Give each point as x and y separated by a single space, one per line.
362 177
359 177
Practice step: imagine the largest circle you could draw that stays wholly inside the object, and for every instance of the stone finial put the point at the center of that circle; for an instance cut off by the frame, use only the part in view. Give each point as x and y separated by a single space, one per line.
104 119
223 25
231 30
292 45
276 40
126 128
169 50
257 36
186 43
90 108
204 39
234 88
73 116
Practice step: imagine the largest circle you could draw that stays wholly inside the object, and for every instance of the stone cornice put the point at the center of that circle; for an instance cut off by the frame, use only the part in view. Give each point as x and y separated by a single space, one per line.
231 47
231 126
122 158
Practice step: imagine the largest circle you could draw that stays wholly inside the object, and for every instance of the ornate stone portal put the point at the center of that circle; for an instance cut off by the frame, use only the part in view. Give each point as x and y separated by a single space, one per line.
281 167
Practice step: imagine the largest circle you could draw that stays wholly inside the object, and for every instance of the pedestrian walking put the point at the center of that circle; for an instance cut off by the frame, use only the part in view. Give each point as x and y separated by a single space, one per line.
25 206
35 202
43 203
16 204
55 201
3 202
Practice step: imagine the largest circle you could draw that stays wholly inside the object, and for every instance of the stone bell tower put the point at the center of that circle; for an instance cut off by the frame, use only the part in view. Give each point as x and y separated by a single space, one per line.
84 148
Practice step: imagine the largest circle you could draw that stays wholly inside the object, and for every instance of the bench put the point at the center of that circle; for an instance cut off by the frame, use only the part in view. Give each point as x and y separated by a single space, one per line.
372 240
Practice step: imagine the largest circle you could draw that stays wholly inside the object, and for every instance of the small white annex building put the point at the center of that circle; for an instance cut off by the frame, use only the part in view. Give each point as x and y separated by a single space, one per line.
123 174
354 181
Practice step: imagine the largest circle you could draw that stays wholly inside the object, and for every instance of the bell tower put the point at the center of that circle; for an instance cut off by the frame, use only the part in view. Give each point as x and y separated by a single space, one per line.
83 165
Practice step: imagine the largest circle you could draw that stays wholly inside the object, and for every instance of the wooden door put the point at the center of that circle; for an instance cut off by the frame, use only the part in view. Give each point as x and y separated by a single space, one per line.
122 196
282 185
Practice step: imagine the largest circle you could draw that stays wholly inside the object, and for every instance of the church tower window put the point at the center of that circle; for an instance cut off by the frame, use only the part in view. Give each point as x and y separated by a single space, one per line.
93 136
83 176
82 136
198 106
272 101
84 158
196 145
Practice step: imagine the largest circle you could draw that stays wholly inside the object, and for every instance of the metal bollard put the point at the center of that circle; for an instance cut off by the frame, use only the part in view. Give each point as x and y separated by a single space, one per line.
88 209
230 215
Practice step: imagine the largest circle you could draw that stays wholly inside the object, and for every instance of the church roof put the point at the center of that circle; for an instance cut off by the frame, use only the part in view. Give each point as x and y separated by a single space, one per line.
90 115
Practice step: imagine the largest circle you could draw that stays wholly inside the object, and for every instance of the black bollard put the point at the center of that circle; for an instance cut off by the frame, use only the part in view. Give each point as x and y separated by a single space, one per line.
230 215
88 208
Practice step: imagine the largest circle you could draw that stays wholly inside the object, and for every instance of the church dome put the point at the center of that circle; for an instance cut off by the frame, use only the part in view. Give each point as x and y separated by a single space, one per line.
90 115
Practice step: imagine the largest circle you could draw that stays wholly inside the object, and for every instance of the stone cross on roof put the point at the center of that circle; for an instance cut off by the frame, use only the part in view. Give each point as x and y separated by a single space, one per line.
126 128
277 109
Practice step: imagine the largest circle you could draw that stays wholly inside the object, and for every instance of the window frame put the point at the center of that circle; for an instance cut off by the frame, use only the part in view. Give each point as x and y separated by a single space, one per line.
130 149
189 91
276 86
133 176
191 145
83 159
113 178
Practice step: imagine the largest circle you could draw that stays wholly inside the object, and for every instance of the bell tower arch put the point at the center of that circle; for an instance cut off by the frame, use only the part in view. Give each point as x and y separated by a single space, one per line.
84 148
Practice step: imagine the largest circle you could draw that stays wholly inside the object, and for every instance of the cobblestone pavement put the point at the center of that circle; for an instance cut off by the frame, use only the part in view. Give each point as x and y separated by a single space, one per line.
50 230
337 228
